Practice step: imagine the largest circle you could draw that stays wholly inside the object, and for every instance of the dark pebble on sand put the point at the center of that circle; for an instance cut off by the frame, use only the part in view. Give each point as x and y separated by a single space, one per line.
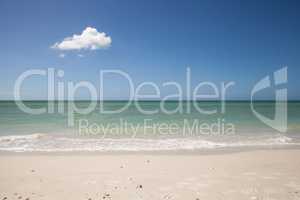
4 198
139 186
106 195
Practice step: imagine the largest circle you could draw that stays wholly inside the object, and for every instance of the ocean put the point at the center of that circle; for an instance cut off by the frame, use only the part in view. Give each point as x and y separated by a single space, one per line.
145 126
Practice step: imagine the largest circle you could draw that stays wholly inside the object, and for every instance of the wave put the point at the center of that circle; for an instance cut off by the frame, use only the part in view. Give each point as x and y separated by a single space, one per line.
47 143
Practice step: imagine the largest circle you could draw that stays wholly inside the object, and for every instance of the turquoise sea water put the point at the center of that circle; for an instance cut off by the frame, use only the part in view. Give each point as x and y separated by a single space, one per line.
131 130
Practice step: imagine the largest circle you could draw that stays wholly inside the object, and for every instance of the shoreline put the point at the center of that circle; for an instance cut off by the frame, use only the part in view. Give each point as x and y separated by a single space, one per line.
195 152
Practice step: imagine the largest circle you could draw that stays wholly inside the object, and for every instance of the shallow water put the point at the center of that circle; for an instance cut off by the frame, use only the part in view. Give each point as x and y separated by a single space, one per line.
131 130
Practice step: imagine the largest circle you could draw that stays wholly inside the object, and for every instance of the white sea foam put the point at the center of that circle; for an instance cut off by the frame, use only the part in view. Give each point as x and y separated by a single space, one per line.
47 143
14 138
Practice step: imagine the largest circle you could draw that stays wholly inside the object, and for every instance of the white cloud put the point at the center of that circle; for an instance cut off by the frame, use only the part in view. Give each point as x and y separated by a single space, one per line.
61 55
89 39
80 55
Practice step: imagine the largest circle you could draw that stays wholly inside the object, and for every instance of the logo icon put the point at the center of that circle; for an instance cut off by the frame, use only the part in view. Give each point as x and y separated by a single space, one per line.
279 122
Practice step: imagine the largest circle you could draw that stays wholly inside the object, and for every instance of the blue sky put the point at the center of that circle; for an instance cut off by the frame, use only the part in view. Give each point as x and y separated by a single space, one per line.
239 41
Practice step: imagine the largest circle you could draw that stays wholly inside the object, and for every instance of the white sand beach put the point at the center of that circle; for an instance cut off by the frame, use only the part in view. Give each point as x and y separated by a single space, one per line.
261 174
